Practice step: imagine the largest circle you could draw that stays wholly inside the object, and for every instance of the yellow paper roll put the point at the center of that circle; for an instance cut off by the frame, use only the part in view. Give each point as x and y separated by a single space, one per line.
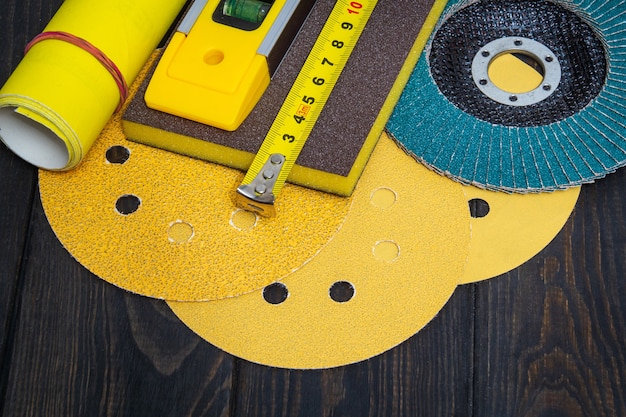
59 98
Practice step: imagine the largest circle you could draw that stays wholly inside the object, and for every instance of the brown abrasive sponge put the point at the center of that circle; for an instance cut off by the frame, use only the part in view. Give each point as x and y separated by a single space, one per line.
350 124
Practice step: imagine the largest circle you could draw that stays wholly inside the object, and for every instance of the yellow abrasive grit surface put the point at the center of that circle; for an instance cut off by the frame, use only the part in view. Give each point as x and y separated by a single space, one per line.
509 229
385 275
165 226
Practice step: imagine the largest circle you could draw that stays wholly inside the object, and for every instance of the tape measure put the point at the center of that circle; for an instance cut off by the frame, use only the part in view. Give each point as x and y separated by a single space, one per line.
302 106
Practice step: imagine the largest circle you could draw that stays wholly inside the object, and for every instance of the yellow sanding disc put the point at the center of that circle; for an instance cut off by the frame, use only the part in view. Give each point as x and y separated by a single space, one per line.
385 274
509 229
165 226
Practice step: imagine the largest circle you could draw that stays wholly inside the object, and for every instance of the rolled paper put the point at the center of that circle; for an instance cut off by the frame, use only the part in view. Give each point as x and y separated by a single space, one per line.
67 86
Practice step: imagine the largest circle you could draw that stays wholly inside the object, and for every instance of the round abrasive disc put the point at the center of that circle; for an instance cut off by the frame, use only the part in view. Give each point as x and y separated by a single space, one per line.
385 275
509 229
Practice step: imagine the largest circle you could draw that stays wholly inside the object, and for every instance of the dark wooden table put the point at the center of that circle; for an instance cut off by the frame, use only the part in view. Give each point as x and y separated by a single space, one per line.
547 339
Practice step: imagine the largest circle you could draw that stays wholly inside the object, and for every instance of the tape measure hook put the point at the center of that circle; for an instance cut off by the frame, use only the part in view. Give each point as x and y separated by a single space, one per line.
258 196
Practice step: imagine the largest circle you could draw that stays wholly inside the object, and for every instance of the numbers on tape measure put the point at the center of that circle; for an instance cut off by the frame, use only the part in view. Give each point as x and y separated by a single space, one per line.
304 102
354 5
305 107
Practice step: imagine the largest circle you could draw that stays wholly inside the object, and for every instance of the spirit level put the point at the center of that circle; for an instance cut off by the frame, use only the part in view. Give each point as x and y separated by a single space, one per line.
220 60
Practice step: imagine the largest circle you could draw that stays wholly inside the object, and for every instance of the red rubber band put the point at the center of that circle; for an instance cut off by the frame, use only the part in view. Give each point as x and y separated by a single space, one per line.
95 52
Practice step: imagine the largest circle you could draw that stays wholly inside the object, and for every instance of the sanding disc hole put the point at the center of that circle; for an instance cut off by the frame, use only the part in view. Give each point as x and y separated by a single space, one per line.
383 198
214 57
127 204
117 154
386 250
243 220
180 232
478 208
275 293
341 291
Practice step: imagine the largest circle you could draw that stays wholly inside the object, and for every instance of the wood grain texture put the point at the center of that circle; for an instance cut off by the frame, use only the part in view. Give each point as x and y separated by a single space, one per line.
18 23
428 375
16 190
552 334
85 348
545 340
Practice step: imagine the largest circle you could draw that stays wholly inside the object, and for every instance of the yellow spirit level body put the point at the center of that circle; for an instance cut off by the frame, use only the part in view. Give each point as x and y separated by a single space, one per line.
213 71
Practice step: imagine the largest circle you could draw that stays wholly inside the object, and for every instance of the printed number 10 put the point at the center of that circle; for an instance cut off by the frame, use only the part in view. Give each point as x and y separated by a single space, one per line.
355 5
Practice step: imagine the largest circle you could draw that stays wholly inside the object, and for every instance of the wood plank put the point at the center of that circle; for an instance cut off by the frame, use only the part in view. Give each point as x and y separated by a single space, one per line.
429 375
83 347
18 23
550 337
552 334
16 191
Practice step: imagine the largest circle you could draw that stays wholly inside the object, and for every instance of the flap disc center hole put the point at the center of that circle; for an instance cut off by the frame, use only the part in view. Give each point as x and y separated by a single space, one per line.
516 71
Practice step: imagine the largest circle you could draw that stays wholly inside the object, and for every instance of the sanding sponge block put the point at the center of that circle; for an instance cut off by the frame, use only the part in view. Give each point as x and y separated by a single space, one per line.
350 124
